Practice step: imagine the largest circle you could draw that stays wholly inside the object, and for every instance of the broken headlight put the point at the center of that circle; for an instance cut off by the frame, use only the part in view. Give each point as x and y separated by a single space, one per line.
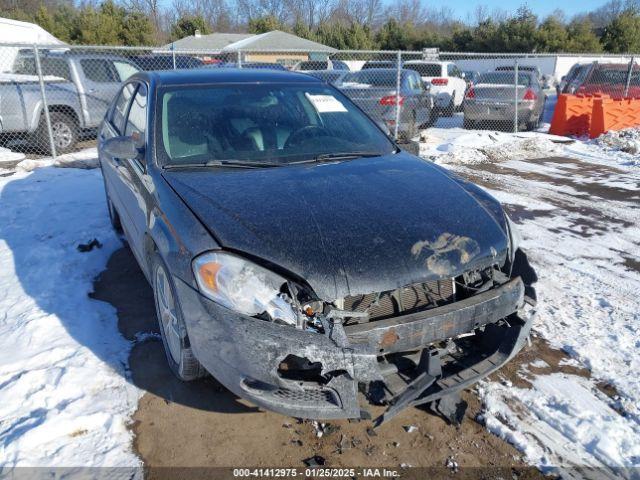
243 286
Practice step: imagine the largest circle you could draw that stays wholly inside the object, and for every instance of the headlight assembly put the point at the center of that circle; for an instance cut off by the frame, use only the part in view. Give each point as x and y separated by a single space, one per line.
242 286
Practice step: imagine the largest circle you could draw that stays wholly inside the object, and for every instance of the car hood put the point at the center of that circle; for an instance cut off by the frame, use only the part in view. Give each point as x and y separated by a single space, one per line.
350 227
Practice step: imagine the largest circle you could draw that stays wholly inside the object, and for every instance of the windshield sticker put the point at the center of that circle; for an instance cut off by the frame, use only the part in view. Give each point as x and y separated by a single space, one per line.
326 103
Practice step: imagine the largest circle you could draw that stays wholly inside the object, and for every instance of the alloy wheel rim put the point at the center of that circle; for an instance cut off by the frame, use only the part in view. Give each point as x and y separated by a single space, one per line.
62 134
167 313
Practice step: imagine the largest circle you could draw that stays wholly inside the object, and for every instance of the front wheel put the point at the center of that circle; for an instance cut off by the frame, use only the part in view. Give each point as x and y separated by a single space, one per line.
64 130
468 124
177 347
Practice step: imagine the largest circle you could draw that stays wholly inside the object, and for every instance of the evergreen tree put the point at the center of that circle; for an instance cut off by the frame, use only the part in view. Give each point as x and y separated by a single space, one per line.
622 35
186 26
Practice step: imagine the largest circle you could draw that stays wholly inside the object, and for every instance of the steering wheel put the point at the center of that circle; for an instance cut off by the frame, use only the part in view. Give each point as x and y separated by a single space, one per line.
306 133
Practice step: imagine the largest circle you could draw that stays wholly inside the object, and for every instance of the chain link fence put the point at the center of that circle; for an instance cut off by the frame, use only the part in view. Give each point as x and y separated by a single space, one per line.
53 98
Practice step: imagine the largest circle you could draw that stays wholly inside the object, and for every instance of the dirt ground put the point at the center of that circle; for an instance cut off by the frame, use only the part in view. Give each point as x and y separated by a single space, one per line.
201 424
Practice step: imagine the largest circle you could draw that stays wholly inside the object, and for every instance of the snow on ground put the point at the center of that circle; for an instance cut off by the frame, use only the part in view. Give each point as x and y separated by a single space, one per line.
7 156
65 398
579 220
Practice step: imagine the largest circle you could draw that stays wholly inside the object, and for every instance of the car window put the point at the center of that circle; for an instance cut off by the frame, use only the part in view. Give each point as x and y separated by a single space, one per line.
57 67
453 71
120 107
504 78
279 123
425 69
137 119
98 70
373 77
124 69
415 82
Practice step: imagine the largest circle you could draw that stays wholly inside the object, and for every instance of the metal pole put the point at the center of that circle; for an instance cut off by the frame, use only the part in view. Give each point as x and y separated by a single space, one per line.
44 101
515 104
629 73
239 58
398 79
173 54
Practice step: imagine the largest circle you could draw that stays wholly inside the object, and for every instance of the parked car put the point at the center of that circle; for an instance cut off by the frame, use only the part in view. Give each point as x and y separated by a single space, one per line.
379 64
521 68
79 89
375 91
492 100
448 85
575 70
605 78
162 61
297 255
471 77
249 65
333 77
309 65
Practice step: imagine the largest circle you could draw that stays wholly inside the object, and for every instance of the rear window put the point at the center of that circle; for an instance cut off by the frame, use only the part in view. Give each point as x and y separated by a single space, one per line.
425 69
611 76
375 78
504 78
313 65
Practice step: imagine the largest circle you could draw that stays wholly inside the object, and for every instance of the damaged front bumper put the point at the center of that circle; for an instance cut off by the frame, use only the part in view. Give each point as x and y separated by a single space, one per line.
246 354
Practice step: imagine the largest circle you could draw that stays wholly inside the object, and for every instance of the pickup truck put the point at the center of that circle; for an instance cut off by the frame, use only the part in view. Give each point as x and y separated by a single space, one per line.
79 87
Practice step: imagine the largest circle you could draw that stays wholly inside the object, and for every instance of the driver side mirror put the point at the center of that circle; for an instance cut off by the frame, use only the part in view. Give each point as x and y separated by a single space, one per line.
121 147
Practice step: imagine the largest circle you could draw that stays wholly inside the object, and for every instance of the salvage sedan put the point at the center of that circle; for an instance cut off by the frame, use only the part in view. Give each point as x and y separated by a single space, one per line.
298 256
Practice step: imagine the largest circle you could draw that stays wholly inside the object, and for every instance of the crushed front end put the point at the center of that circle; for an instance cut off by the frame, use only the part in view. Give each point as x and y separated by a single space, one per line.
419 344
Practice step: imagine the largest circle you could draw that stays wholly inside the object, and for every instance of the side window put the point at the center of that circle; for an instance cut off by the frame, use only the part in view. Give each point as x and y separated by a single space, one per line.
120 108
25 66
137 120
98 70
124 69
57 67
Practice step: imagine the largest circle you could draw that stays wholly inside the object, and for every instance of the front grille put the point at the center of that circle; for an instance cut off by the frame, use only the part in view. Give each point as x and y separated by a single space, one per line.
408 299
311 396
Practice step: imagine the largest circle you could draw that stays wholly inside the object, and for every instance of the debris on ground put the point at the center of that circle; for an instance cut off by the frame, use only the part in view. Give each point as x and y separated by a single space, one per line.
452 465
410 428
87 247
315 461
626 140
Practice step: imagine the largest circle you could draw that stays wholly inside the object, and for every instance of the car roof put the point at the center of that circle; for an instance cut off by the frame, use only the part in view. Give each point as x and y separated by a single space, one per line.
224 75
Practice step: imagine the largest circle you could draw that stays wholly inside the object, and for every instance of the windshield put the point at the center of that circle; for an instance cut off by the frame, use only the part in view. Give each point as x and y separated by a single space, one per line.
425 69
504 78
274 123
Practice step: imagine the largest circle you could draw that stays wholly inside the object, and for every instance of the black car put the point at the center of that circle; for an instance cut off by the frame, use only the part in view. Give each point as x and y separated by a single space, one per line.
297 255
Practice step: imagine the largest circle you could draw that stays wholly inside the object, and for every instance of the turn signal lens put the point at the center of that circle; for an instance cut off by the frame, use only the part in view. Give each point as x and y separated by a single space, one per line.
471 93
529 95
208 275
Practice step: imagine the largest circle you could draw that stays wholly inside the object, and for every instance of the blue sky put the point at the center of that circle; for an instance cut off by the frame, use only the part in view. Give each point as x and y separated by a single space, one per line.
463 8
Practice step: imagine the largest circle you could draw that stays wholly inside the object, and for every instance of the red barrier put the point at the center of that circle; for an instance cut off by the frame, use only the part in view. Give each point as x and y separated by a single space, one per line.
614 114
572 115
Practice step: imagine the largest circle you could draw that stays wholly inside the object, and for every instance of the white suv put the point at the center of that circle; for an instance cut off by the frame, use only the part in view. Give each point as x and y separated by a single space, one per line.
447 83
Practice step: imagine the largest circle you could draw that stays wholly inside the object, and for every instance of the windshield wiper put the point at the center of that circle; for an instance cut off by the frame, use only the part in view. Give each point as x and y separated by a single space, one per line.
325 157
224 163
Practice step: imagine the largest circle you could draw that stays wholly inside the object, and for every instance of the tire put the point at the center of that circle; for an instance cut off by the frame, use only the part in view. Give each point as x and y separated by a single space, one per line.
450 109
114 216
175 339
468 124
65 132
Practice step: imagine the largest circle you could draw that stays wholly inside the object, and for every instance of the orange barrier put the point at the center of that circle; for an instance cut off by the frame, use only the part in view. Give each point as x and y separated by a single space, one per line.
572 115
614 114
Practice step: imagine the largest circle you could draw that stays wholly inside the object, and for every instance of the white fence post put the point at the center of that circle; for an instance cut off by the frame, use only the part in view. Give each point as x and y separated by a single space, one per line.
173 54
45 107
629 74
398 83
515 100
